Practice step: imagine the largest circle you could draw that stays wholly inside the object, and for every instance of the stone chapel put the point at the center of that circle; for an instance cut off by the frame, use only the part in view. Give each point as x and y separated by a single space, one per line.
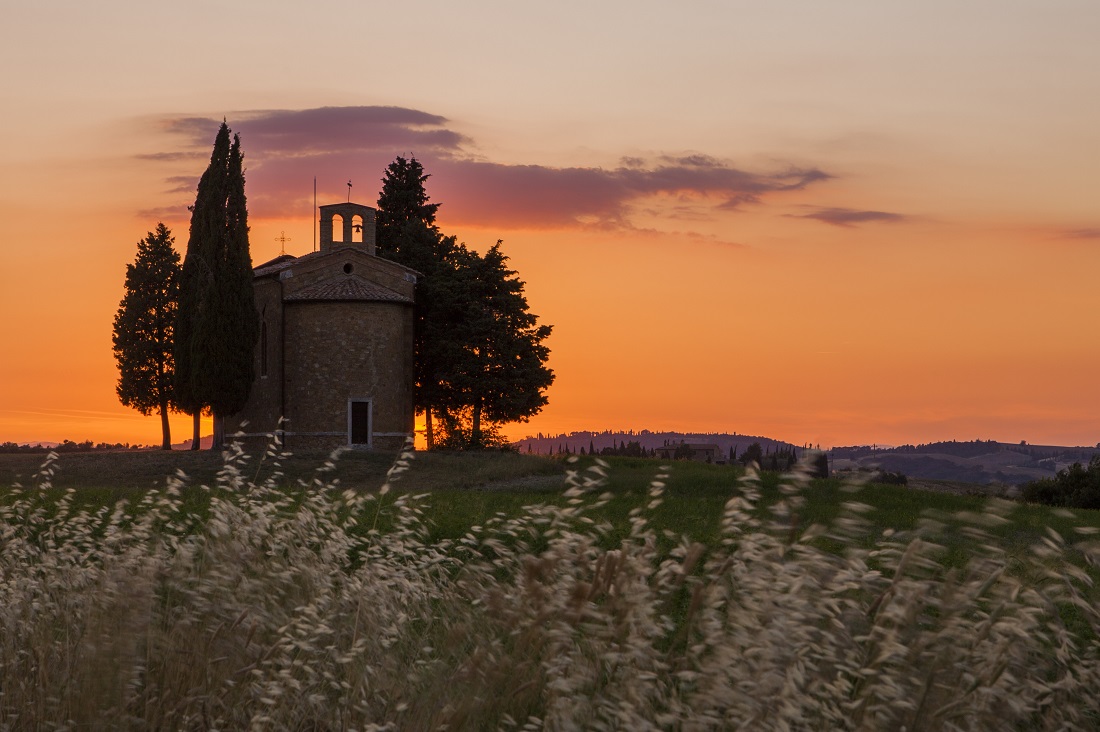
335 355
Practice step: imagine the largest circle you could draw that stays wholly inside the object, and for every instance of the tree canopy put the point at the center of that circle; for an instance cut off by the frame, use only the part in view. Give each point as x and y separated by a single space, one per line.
499 370
753 454
403 199
144 329
217 326
1077 486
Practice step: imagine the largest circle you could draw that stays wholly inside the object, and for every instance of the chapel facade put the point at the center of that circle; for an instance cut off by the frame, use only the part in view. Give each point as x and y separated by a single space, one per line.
335 354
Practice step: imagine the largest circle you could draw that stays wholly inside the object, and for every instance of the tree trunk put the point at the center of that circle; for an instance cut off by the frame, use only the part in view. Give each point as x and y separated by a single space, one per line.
429 434
475 432
195 437
165 428
219 432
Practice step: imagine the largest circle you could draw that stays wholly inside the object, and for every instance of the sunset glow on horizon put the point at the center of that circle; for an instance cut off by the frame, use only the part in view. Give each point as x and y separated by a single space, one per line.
828 223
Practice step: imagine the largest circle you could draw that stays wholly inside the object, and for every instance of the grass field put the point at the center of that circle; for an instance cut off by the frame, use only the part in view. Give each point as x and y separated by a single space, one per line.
468 488
498 591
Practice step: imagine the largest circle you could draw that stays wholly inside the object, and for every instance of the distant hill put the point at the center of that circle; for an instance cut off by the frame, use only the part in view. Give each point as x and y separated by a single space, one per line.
44 446
977 461
573 441
205 441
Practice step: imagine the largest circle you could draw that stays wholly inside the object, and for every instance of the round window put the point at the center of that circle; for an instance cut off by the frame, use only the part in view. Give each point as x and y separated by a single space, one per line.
347 268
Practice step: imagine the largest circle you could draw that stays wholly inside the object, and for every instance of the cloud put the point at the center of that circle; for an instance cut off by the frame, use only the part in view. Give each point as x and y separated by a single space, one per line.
548 197
326 130
851 217
169 157
285 150
182 183
1093 233
176 215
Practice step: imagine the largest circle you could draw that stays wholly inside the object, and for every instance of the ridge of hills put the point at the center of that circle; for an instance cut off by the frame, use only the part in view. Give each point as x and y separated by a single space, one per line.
978 461
573 441
982 462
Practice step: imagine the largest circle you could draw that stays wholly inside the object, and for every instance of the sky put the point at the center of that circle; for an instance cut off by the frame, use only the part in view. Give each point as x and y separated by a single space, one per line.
835 223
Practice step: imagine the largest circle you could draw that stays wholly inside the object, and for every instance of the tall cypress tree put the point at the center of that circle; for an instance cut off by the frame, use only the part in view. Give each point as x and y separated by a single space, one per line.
196 280
406 233
401 200
479 351
218 325
144 329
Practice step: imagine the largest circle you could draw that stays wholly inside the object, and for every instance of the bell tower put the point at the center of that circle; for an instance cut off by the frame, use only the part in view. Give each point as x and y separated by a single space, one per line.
347 225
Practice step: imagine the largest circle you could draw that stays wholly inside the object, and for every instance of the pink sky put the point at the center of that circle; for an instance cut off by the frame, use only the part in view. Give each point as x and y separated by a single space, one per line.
836 223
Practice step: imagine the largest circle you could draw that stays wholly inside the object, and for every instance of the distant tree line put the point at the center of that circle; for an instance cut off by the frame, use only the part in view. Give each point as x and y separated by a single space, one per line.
782 459
67 446
624 449
970 449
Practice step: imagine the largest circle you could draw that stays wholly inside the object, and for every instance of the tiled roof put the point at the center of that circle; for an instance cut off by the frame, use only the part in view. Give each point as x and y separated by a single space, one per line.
347 287
286 261
281 262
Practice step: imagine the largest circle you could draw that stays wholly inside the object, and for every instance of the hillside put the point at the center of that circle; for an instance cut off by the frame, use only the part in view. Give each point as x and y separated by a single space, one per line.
978 461
981 462
574 441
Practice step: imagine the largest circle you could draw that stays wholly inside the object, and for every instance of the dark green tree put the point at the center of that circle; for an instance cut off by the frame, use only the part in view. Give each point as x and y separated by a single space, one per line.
499 368
403 199
218 326
1077 486
479 352
442 295
144 329
753 454
406 233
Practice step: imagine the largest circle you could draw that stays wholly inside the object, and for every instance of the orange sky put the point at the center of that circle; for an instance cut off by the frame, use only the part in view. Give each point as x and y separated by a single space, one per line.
833 223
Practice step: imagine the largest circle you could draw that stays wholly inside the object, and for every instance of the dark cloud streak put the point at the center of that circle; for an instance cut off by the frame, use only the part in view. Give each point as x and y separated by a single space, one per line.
327 129
1083 234
285 149
847 217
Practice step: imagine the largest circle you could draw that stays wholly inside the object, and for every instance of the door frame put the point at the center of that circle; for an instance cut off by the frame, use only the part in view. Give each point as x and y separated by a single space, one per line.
369 401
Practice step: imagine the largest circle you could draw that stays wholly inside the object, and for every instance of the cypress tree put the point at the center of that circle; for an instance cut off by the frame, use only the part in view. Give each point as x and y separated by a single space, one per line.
144 329
217 326
196 279
406 233
478 349
401 200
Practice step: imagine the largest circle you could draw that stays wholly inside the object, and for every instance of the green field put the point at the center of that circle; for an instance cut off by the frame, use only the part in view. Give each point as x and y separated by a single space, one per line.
469 488
506 591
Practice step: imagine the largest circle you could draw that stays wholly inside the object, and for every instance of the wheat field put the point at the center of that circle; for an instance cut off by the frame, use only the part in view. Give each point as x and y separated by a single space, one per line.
318 608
